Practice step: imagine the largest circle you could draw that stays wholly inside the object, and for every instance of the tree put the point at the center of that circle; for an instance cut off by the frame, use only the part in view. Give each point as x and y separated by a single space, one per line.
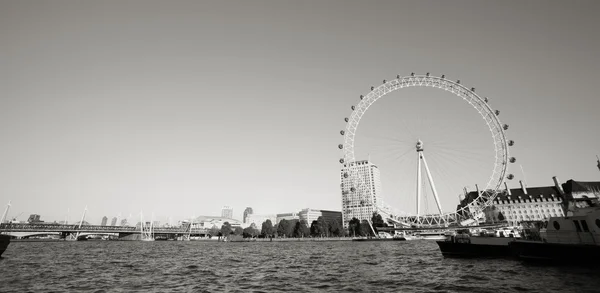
214 231
238 231
226 229
283 227
335 228
314 229
354 228
298 230
377 221
250 231
323 227
304 228
366 228
267 229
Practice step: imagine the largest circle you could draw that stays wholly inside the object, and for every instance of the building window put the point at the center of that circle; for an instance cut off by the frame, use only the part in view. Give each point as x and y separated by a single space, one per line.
584 226
577 227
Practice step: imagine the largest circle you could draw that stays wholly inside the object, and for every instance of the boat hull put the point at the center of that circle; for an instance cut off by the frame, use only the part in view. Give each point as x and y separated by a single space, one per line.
380 239
556 252
4 241
454 249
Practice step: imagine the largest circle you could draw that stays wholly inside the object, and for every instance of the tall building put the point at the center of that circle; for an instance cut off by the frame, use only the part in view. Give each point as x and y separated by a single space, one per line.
104 220
227 212
114 221
247 211
361 191
124 222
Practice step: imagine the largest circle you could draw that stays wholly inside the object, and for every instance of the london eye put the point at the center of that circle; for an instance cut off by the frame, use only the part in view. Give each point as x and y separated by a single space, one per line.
354 182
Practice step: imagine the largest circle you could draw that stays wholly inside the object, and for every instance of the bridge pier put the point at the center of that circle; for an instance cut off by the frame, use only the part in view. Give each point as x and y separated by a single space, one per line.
130 236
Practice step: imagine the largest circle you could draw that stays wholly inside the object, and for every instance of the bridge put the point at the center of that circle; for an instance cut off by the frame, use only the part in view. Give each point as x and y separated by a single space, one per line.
123 232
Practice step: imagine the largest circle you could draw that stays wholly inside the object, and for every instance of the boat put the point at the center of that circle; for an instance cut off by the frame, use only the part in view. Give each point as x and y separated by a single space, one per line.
489 244
4 241
573 238
381 236
431 235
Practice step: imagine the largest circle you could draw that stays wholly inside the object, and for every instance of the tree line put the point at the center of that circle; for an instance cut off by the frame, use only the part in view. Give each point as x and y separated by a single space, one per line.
299 229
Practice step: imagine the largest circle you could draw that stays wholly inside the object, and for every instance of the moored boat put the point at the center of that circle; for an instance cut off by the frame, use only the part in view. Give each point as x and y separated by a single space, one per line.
465 244
4 241
382 236
564 240
574 238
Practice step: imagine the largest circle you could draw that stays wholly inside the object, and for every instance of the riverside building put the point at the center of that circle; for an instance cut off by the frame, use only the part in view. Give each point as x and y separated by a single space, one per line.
536 203
310 215
287 217
361 191
258 220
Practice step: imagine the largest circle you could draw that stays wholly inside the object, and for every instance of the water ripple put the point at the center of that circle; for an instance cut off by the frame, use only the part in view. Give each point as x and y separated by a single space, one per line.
337 266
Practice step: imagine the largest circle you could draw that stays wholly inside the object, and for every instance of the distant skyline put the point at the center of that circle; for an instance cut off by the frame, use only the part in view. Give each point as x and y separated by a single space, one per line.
179 108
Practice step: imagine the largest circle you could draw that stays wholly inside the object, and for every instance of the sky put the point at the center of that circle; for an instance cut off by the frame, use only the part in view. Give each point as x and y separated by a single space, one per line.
178 108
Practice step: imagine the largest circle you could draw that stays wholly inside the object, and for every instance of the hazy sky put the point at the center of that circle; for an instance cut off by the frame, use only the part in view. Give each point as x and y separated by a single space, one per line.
178 108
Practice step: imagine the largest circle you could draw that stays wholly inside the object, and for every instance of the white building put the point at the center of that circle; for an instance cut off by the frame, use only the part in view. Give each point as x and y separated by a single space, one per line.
309 215
287 217
361 191
539 203
227 212
207 222
258 220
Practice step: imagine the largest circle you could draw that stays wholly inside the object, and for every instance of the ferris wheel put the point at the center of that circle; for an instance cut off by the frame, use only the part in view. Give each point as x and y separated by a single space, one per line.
354 181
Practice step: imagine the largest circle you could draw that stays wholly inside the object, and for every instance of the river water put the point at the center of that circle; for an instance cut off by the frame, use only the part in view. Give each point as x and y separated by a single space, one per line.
311 266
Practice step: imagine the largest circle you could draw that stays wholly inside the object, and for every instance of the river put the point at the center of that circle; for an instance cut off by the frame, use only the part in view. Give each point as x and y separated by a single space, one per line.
319 266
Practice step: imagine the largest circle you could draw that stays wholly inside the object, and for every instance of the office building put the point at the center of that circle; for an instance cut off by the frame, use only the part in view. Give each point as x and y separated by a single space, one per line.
227 212
361 191
104 220
285 216
309 215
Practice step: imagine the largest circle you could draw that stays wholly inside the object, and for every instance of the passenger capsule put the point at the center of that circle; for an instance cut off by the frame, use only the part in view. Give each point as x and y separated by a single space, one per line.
398 76
510 176
458 81
427 74
341 161
511 142
412 74
361 97
372 88
443 76
346 119
352 108
384 81
341 146
473 89
485 99
497 112
512 159
505 126
342 132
